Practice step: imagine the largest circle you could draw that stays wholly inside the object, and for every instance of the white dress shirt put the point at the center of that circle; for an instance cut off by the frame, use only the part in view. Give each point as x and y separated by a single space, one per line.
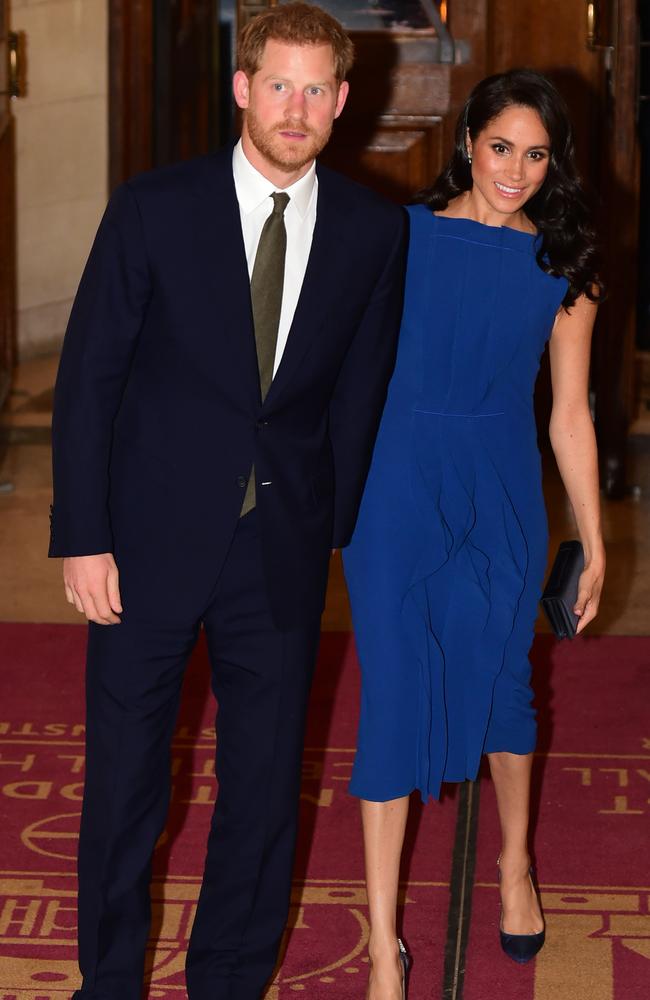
254 192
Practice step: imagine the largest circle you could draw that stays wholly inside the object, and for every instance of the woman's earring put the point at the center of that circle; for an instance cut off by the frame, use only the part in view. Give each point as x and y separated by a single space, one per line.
469 158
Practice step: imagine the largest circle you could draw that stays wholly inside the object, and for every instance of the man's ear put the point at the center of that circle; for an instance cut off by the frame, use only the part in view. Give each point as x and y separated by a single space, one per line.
341 98
241 89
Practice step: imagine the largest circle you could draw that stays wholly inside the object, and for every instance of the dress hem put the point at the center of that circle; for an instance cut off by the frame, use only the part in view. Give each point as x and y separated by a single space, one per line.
427 794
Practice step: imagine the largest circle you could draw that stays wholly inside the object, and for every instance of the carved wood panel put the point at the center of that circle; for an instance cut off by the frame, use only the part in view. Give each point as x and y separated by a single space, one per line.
390 135
394 160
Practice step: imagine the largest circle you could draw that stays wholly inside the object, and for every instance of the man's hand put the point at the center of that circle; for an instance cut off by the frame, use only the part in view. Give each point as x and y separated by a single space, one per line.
92 585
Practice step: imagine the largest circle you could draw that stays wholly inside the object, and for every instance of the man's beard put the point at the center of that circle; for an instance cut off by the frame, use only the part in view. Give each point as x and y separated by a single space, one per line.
281 155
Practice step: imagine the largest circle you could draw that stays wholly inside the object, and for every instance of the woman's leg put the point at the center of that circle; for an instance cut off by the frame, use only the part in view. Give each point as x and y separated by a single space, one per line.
384 824
511 776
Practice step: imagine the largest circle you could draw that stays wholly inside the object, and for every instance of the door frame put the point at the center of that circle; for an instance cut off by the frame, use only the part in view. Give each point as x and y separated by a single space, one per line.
613 376
130 88
146 126
8 247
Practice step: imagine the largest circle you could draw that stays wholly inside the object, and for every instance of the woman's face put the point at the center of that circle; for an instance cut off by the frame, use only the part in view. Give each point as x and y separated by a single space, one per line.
509 160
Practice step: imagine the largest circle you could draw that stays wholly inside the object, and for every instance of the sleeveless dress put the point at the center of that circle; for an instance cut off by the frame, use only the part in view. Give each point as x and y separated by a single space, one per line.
445 567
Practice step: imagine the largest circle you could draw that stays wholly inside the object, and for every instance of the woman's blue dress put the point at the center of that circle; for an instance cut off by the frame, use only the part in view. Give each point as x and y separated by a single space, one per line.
446 564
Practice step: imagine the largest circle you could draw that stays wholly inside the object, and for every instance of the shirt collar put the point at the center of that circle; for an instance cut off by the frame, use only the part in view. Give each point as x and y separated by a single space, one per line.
252 187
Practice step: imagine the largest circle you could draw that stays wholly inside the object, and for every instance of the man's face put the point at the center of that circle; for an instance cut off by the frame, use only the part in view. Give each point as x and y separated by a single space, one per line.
289 106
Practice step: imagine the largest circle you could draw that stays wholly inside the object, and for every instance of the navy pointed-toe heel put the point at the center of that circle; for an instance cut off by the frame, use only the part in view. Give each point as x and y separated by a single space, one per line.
405 959
522 947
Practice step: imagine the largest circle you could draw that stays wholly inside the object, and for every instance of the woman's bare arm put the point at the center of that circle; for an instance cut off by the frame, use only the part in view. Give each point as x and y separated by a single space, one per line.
574 444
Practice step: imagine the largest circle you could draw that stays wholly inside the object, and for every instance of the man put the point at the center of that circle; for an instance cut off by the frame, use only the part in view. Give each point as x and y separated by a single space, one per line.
220 386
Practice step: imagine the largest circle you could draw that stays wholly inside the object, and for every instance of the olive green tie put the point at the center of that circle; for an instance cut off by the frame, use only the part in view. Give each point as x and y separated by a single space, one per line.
267 282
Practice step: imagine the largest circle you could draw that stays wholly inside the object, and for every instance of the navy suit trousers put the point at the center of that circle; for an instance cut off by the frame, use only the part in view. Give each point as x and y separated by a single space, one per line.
261 678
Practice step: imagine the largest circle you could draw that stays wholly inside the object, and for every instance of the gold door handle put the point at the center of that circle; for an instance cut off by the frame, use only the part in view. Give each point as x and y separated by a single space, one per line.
598 31
591 25
17 47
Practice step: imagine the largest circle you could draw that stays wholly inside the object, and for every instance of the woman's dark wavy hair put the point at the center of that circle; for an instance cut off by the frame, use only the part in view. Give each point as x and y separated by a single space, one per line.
567 246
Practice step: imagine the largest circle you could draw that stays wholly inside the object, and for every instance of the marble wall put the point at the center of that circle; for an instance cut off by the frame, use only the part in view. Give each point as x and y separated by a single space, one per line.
62 159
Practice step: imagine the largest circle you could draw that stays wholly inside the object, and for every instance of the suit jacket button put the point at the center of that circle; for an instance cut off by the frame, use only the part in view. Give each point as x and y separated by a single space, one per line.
241 481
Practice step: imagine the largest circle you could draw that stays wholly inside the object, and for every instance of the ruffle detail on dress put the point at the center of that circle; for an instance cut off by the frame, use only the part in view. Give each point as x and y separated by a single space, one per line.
461 602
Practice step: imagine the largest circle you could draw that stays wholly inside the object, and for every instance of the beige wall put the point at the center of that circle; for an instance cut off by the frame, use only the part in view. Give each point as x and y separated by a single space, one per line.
62 158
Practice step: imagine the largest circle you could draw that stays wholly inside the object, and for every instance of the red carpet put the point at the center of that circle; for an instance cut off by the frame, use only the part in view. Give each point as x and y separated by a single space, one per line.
591 838
41 742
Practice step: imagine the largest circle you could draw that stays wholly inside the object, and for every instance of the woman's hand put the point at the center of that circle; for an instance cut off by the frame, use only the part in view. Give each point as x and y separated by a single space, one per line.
590 586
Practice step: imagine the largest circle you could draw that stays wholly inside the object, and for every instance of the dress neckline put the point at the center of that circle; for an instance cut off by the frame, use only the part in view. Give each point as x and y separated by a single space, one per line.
484 225
499 237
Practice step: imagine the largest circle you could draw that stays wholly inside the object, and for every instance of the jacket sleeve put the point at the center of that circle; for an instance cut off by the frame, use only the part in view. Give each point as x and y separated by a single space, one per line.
106 319
360 391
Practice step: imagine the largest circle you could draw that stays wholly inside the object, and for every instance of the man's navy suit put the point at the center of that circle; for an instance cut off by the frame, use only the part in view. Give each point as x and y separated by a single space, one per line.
158 421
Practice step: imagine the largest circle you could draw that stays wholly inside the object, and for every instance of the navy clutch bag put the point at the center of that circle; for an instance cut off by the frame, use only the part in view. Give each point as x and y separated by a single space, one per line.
561 590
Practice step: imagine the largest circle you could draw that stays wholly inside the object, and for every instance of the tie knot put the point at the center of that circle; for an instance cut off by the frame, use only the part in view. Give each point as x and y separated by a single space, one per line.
280 201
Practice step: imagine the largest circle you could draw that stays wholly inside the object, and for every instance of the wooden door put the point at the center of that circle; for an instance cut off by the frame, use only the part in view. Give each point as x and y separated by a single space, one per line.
184 81
591 51
7 212
163 83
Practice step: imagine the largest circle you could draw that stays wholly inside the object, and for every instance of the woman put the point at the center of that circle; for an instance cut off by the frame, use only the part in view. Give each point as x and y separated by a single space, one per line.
445 568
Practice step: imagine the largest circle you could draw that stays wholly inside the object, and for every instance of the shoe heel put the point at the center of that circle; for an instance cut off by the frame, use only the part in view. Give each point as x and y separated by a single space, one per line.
521 948
405 959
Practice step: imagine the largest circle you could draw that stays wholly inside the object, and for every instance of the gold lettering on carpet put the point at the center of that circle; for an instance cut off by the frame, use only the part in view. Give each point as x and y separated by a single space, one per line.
608 781
32 917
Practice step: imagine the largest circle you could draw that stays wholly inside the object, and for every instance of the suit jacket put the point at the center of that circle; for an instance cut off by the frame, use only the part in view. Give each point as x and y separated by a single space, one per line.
158 417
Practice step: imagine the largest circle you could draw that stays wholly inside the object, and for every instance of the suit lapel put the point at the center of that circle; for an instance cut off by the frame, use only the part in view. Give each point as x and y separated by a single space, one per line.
222 261
225 271
316 285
